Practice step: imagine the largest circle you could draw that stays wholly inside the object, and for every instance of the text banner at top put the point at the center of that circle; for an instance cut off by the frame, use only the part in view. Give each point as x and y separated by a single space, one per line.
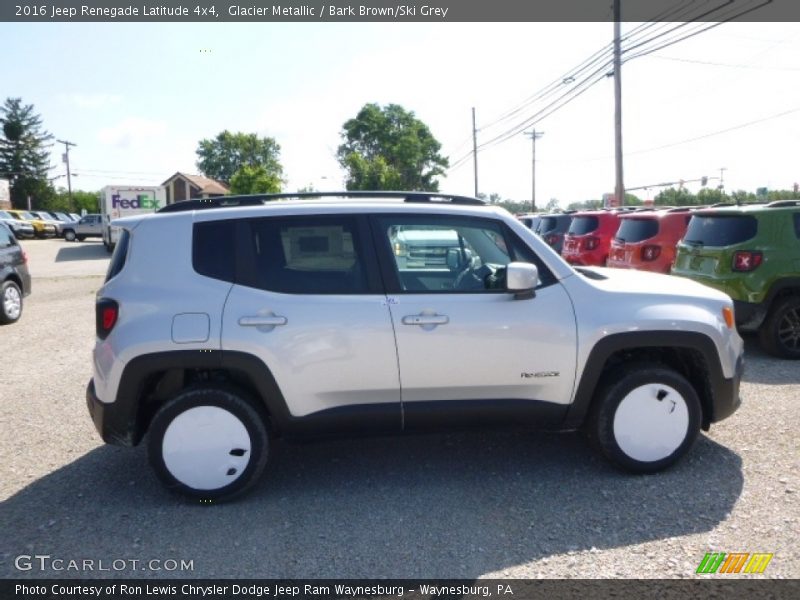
389 10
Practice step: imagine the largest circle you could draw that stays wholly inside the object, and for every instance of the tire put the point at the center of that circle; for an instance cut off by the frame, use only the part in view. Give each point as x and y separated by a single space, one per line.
80 237
644 417
69 235
109 247
779 334
208 444
10 302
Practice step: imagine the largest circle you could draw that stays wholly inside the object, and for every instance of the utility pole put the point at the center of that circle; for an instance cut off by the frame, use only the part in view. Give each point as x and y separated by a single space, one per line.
535 135
69 178
619 186
721 180
475 151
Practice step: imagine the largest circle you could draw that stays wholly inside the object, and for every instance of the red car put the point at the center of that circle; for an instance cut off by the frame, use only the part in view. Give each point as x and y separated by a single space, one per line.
647 241
588 239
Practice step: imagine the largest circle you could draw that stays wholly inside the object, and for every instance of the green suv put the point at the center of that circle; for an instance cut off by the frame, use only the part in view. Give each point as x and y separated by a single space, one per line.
752 253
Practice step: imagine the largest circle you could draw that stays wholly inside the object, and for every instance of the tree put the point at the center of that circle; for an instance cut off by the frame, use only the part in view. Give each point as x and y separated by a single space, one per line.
221 157
24 155
254 180
390 149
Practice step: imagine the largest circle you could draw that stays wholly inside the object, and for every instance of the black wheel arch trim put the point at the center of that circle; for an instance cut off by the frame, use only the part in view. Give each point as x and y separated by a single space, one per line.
720 398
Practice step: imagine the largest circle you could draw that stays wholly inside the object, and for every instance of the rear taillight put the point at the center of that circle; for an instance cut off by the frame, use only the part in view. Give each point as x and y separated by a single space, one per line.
650 252
24 257
106 313
591 243
551 239
745 260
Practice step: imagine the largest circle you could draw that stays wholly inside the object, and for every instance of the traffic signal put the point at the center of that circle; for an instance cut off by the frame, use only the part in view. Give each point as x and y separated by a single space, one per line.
703 180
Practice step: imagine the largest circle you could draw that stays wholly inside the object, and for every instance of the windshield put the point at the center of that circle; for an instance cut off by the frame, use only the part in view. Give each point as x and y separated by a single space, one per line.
720 230
636 230
5 215
26 215
583 225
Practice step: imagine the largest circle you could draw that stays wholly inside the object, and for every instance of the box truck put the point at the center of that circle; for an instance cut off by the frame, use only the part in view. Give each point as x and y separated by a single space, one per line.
124 201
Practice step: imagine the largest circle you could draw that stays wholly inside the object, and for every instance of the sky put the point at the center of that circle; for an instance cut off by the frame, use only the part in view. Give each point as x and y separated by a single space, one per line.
136 98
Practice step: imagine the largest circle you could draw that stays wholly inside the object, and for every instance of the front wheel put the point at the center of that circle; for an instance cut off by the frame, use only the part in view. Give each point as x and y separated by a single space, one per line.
69 235
780 333
645 417
80 237
208 444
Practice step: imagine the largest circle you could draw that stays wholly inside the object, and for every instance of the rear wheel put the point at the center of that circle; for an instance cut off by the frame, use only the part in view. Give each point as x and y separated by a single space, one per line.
208 443
645 417
780 332
10 302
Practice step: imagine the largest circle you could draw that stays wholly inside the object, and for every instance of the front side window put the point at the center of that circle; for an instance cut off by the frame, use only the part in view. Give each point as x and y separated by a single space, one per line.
307 255
447 254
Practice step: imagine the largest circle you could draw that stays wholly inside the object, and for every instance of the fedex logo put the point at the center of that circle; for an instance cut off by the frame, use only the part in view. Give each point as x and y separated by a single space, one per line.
140 201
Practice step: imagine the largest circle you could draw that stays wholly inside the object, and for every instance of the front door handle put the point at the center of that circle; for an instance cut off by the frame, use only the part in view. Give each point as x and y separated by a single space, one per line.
262 321
426 320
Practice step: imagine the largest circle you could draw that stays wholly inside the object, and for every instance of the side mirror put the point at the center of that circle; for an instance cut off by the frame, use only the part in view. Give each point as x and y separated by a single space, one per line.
522 279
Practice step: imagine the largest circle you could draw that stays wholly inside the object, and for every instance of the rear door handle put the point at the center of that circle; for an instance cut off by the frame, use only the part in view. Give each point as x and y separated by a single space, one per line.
426 320
262 321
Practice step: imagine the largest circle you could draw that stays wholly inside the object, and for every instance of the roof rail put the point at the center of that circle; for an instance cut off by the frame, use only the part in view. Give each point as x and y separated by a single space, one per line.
260 199
682 209
783 203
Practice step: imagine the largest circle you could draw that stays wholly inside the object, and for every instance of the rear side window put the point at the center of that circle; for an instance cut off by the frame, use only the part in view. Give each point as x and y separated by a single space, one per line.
6 237
307 255
119 256
636 230
213 249
583 225
721 230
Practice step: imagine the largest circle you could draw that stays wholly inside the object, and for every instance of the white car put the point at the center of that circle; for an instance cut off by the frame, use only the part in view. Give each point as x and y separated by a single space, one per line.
219 328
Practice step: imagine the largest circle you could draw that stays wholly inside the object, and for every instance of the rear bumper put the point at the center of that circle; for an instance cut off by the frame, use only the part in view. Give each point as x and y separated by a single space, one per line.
114 424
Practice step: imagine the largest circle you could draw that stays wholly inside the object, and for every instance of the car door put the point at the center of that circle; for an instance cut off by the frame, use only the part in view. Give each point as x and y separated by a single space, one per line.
309 303
468 350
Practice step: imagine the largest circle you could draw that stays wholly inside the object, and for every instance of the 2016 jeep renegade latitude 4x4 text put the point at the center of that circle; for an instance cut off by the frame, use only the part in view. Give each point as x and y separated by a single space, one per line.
220 329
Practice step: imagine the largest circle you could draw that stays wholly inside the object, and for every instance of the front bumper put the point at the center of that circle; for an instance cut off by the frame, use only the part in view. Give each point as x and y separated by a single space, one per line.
725 394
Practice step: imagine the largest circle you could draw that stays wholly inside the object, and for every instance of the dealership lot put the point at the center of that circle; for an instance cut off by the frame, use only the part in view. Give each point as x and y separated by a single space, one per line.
462 505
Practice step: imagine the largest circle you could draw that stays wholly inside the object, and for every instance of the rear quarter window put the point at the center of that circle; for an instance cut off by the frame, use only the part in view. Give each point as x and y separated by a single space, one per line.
120 255
721 230
632 231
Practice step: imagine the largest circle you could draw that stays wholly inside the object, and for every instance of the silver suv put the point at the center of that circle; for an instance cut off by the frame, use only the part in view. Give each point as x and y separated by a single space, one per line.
225 323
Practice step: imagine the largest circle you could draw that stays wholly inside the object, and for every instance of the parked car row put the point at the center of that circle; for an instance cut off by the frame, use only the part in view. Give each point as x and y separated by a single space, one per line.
37 223
751 252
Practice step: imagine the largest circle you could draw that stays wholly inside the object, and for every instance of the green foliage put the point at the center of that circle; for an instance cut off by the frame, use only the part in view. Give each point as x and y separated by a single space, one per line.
221 157
24 155
89 201
254 180
390 149
676 197
585 205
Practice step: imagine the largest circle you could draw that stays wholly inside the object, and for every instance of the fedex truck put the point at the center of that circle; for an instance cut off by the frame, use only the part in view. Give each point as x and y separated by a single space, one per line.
124 201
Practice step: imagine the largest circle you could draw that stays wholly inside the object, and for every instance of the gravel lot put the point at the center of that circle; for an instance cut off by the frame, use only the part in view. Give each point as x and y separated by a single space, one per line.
450 506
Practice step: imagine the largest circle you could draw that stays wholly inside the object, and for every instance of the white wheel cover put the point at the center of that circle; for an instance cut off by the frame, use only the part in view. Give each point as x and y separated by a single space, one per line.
206 448
647 428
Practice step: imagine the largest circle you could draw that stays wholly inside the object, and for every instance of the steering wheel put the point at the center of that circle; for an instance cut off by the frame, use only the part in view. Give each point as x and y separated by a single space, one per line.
474 279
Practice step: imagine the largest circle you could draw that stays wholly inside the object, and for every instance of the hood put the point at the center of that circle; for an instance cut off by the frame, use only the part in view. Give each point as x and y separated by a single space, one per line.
627 281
